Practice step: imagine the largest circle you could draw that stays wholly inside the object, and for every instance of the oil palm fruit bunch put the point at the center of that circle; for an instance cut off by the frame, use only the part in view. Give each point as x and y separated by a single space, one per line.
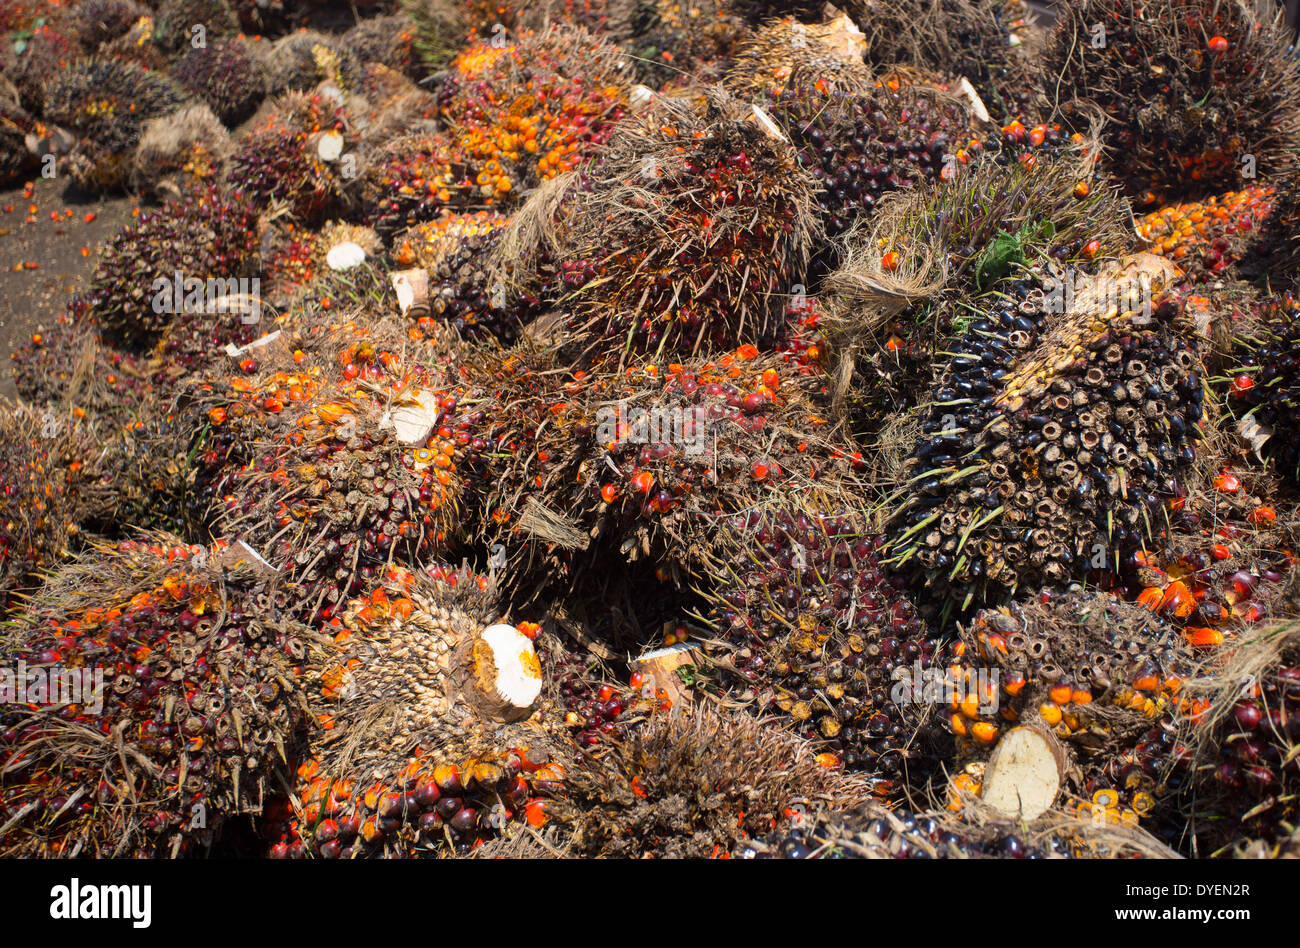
692 786
860 144
636 464
302 61
830 53
415 179
290 156
458 253
1262 393
971 39
226 75
1241 762
41 477
525 113
32 54
438 32
674 45
689 234
1200 96
1098 401
16 159
811 628
902 292
431 722
1224 561
176 20
208 235
1096 671
366 471
188 702
106 104
388 40
137 46
179 153
101 21
1207 238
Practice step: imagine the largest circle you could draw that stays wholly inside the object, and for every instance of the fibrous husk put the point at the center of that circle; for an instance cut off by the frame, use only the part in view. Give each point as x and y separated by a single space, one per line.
829 52
179 152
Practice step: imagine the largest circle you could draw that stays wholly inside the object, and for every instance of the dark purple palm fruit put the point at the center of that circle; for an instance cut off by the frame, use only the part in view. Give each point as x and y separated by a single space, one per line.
29 57
181 23
16 159
173 261
1263 393
226 76
101 21
814 629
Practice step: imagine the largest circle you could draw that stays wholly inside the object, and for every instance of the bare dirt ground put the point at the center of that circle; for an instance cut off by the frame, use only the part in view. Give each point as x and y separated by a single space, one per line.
44 261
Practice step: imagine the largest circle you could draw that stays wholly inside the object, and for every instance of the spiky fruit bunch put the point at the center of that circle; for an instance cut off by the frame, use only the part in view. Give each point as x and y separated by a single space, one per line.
415 179
105 104
136 45
861 144
189 702
438 31
672 45
180 152
464 290
176 20
829 53
303 60
1196 93
41 475
100 21
689 234
226 76
638 463
1264 394
385 39
1098 672
31 57
1241 762
1206 238
209 235
692 786
1011 468
367 471
525 113
16 159
281 158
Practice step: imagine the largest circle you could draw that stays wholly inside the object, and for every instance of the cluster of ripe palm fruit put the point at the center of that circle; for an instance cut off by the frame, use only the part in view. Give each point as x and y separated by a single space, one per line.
821 342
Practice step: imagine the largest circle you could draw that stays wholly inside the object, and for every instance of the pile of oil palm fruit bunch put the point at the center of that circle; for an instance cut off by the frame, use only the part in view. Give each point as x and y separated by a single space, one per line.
629 428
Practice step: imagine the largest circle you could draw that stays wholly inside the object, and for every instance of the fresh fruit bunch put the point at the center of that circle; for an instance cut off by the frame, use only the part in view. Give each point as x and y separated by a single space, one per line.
1206 238
106 104
1098 672
525 113
585 694
207 237
860 144
303 60
184 700
176 20
180 152
226 76
814 629
689 234
1200 95
30 55
415 179
41 475
1241 761
1223 562
423 680
136 45
636 464
1051 441
101 21
388 40
362 472
16 159
438 29
971 39
827 53
290 255
1262 393
672 45
290 157
693 786
457 252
